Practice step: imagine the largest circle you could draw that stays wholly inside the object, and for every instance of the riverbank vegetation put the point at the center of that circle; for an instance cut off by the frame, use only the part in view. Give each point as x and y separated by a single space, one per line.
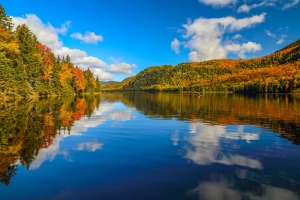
275 73
29 68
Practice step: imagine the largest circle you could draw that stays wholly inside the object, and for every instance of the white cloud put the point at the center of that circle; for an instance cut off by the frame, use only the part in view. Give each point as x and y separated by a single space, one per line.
120 67
102 75
246 8
89 37
242 49
267 3
64 28
280 39
175 45
204 37
218 3
237 36
49 35
291 4
45 33
270 34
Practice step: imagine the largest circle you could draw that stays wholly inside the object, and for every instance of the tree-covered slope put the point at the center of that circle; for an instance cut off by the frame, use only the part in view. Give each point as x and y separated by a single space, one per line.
29 68
277 72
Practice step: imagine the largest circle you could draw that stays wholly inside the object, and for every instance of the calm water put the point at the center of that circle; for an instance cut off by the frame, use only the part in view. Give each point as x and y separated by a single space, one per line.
151 146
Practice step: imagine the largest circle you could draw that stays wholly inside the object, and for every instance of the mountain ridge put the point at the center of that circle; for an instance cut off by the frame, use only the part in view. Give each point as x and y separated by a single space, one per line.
276 72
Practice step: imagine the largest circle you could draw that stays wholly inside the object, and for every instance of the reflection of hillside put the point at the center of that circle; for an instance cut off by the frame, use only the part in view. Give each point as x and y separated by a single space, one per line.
281 113
27 129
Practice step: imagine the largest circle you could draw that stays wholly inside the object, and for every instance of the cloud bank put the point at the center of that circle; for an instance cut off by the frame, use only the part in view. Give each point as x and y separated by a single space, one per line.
204 37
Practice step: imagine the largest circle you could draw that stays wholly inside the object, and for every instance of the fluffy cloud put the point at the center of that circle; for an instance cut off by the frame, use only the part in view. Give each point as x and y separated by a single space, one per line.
49 35
218 3
205 37
175 45
89 37
266 3
120 67
280 39
242 49
45 33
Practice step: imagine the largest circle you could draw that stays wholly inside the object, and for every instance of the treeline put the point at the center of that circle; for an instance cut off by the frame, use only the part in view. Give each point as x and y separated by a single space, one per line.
28 126
278 72
29 68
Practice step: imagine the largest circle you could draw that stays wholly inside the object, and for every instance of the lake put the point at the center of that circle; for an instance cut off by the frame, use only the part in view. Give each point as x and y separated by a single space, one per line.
151 146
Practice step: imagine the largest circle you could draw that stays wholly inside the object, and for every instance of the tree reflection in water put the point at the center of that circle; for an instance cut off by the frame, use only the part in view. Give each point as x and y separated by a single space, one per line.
27 127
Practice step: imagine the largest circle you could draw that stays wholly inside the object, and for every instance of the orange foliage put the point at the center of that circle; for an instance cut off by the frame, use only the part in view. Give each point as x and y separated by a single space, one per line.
79 108
65 74
79 80
47 57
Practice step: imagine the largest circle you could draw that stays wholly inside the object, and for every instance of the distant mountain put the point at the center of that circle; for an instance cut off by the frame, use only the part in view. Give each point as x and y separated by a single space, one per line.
104 83
277 72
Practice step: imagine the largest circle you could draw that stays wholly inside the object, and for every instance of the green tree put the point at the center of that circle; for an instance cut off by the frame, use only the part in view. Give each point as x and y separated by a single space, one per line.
29 54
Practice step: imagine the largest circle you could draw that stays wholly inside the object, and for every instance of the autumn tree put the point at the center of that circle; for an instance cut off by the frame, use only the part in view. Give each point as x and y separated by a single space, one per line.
78 80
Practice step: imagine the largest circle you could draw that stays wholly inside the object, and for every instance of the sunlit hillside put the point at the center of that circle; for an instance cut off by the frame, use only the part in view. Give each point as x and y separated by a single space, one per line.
277 72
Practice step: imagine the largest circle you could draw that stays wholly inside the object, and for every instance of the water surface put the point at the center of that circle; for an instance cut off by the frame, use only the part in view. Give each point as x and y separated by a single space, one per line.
151 146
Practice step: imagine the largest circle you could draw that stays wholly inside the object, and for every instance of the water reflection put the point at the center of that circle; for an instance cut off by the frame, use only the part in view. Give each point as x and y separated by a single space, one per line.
280 113
145 145
207 144
89 146
221 190
31 131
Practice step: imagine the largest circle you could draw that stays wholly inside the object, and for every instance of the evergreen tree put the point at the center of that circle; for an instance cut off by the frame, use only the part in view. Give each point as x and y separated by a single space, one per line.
98 85
5 20
29 56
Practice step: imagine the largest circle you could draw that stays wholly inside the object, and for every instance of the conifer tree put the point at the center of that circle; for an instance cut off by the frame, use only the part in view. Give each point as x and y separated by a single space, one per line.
29 54
5 20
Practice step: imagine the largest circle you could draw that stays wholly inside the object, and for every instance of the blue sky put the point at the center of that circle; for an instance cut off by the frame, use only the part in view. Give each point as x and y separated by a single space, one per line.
118 38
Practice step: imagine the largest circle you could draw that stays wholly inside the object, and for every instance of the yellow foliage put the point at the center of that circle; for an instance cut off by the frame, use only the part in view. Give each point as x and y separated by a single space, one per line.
65 75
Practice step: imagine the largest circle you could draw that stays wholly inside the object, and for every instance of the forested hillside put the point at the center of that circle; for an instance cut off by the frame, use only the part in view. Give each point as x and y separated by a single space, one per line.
278 72
29 68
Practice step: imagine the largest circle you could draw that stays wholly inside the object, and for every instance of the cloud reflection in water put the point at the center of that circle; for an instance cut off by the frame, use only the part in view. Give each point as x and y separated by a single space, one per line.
206 145
105 112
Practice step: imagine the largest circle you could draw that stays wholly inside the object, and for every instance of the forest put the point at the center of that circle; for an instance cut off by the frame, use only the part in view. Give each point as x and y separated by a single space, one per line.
29 68
275 73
